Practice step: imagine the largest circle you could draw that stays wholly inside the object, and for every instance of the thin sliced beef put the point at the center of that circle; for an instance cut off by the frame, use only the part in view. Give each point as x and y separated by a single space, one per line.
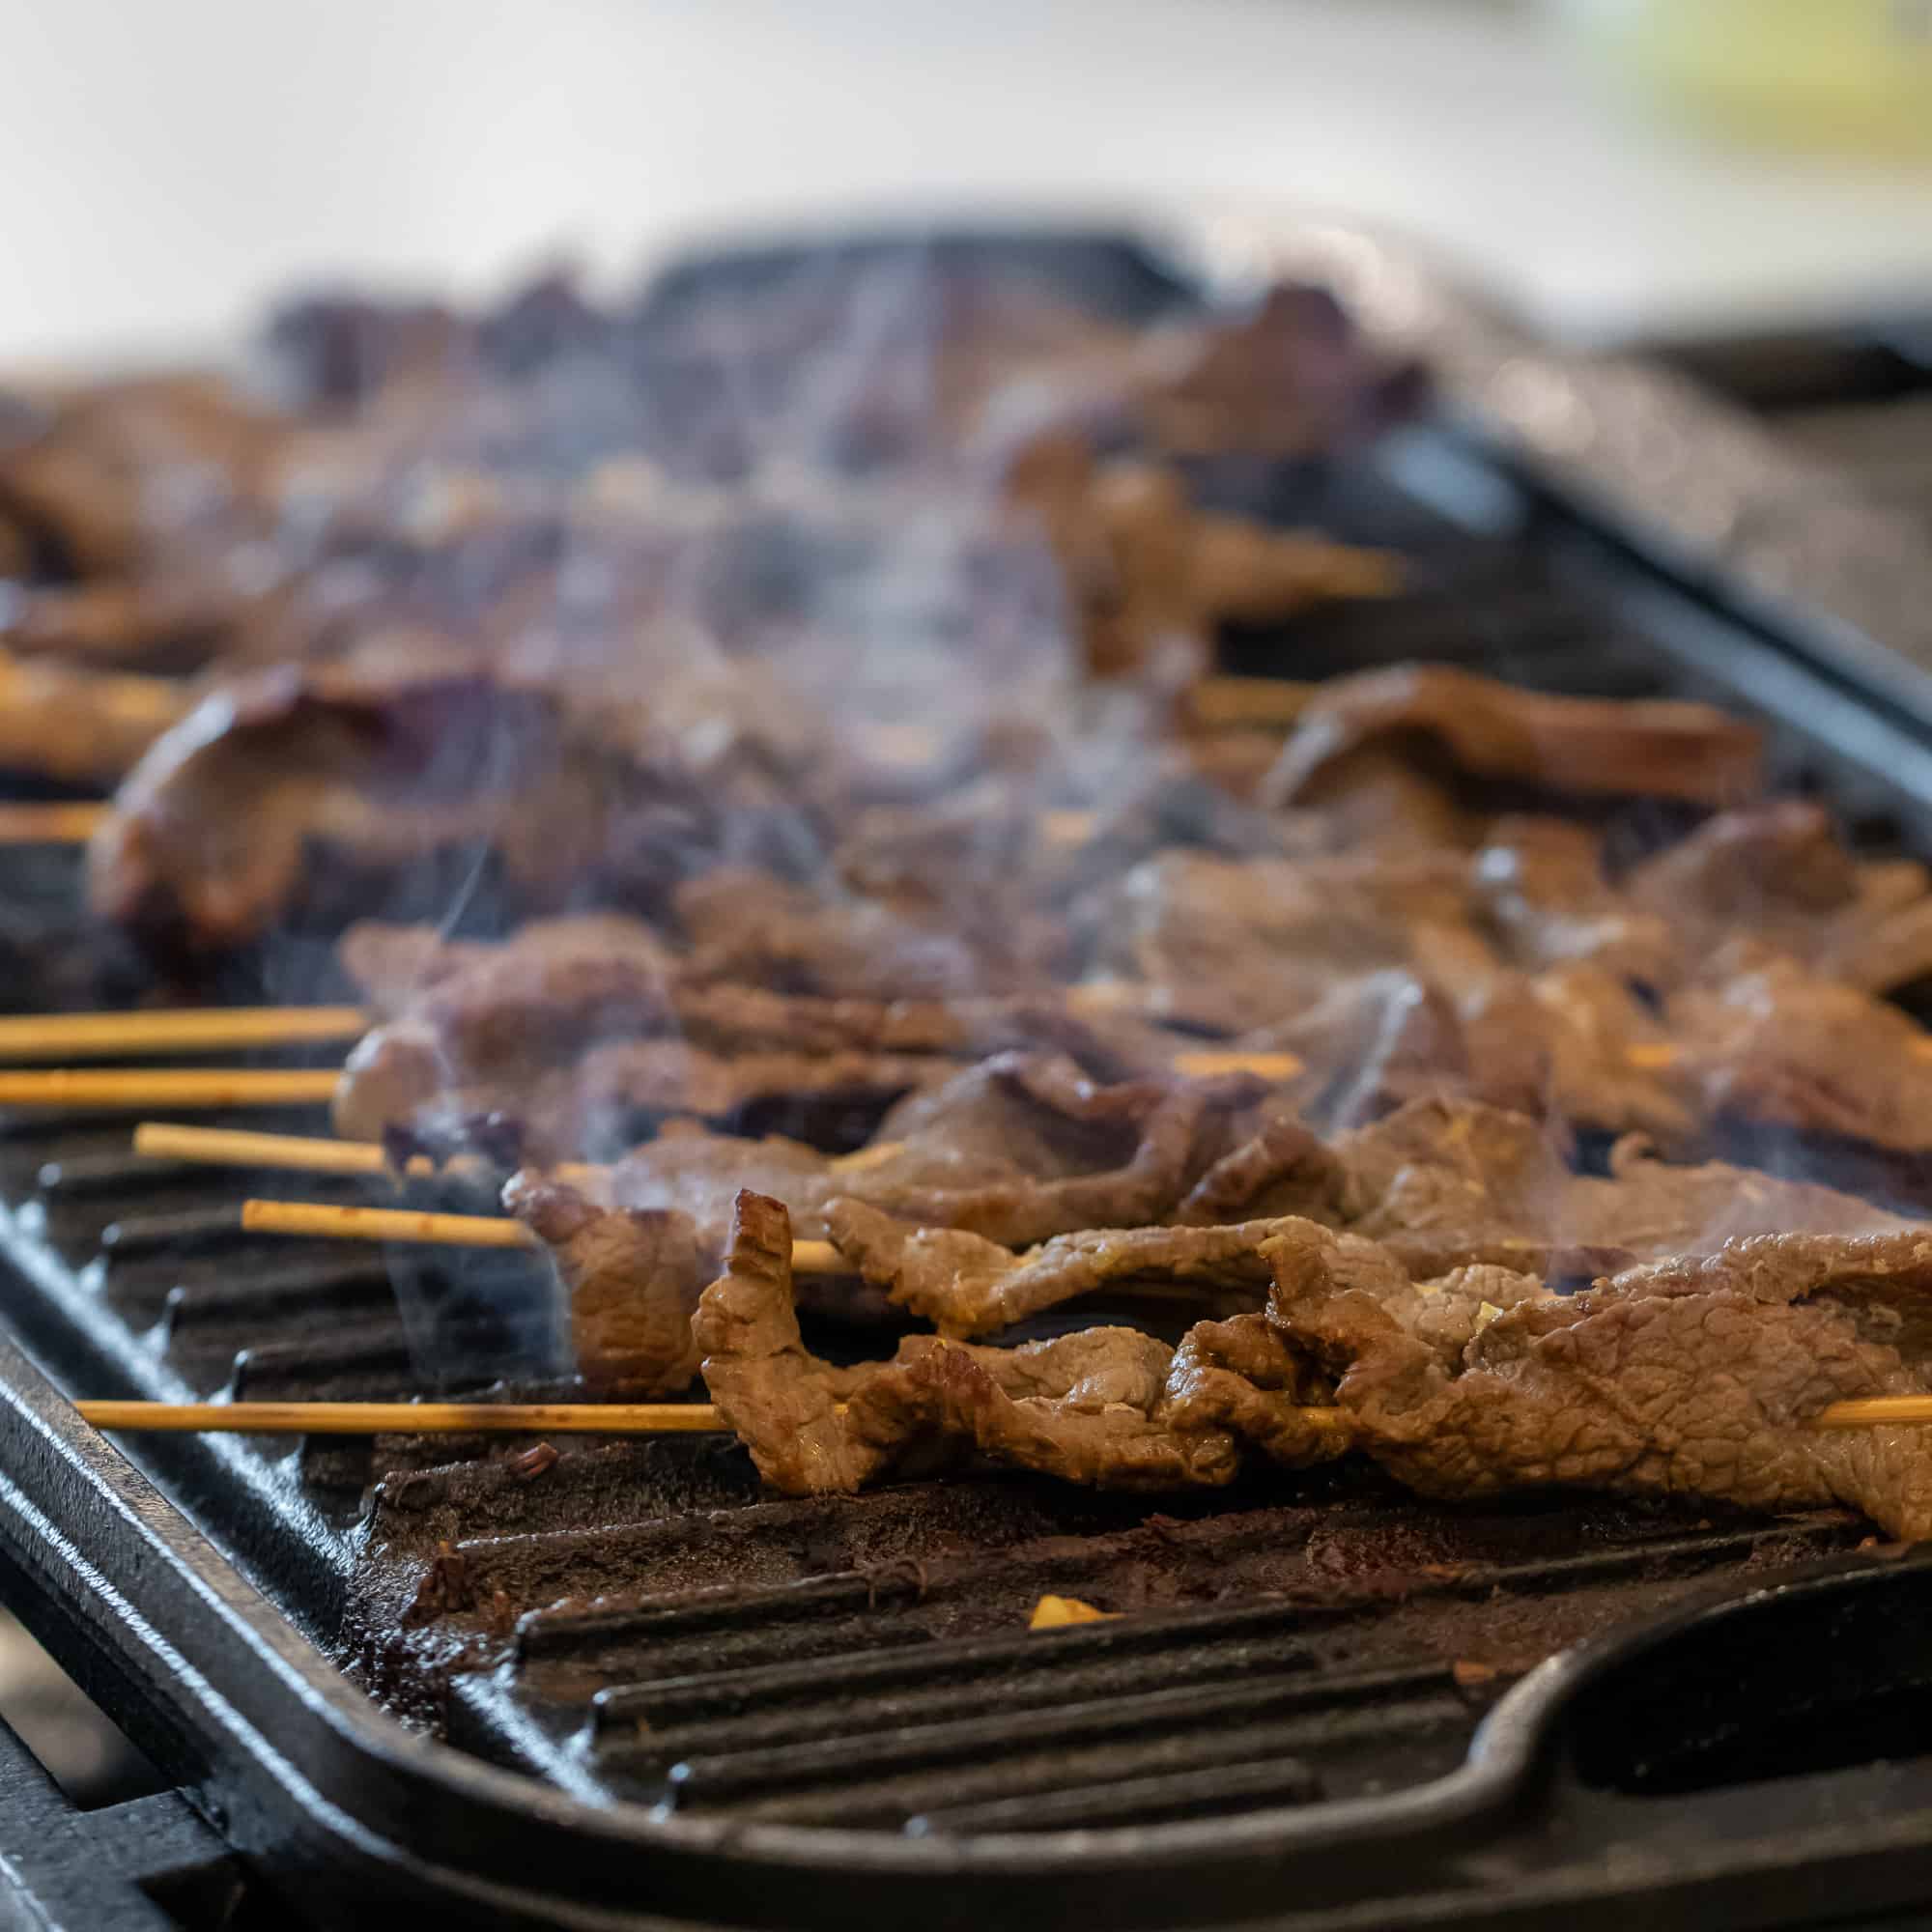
1780 874
1014 1150
631 1279
748 927
1765 1041
965 1285
1543 890
1691 1376
1084 1408
1444 1183
1024 1146
398 1082
1230 945
1585 746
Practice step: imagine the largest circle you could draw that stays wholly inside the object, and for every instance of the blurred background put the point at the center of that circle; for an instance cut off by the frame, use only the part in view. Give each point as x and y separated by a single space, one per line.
1617 168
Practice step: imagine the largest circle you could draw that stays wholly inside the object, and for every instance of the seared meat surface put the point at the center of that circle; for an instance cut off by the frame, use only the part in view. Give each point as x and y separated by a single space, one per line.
1697 1375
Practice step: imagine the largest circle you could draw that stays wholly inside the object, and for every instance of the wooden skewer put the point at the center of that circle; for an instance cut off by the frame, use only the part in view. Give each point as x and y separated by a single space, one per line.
194 1088
1209 1062
1271 703
71 824
452 1418
1874 1412
1659 1056
205 1028
310 1153
414 1418
334 1222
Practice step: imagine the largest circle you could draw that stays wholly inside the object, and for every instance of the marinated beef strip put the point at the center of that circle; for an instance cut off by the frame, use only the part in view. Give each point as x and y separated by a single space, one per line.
749 929
1545 894
1146 570
966 1285
629 1277
1769 1043
1580 746
1228 946
568 983
1088 1408
1015 1150
1442 1183
210 838
1779 872
1696 1376
396 1083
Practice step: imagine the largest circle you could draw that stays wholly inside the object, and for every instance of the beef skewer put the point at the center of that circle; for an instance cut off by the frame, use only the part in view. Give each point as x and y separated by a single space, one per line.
334 1221
613 1418
401 1418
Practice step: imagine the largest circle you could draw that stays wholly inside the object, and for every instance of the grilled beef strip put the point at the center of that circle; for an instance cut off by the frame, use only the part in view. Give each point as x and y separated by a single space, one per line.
1781 872
1583 747
1102 1406
1767 1041
1228 946
1015 1150
1436 1185
629 1277
966 1285
1695 1376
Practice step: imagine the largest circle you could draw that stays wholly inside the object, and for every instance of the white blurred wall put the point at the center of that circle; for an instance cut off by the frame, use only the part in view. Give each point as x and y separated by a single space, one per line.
164 163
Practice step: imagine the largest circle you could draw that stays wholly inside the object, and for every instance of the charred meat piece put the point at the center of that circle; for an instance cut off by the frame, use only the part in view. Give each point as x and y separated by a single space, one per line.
1146 572
631 1278
1580 746
1084 1408
1689 1376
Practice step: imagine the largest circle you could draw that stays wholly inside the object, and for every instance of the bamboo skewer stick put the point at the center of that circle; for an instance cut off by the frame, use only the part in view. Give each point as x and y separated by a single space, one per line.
311 1153
192 1087
426 1418
459 1418
330 1221
1271 703
454 1418
69 824
1875 1411
170 1030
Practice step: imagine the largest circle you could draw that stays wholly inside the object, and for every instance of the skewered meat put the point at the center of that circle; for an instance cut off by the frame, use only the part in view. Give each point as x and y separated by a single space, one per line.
966 1285
1763 1039
599 1106
1017 1149
1086 1408
1582 746
1542 887
759 931
1229 945
214 834
1689 1376
631 1278
1436 1187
